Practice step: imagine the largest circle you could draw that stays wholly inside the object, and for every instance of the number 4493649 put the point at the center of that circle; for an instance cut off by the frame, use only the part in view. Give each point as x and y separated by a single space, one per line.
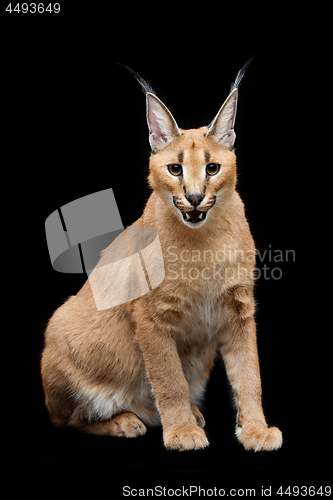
33 8
308 491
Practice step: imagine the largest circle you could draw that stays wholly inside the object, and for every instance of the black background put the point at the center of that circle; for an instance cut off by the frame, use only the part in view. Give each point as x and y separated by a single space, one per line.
75 124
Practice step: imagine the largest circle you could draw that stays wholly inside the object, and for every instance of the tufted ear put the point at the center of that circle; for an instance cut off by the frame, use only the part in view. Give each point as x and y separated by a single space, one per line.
162 125
222 127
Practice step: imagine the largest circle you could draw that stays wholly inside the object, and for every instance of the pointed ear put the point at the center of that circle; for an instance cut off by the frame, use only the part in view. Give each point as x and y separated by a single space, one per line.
162 125
222 127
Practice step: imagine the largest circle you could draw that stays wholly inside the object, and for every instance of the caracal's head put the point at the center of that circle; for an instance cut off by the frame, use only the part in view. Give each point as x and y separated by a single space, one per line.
193 171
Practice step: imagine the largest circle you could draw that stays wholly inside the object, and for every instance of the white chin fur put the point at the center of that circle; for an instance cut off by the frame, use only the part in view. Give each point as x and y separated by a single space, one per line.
193 226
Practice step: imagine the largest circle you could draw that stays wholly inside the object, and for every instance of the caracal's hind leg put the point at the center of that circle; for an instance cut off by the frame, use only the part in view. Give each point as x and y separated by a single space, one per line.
123 425
198 415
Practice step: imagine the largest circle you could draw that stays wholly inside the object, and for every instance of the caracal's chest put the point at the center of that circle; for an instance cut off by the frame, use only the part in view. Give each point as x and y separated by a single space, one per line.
201 289
203 322
198 338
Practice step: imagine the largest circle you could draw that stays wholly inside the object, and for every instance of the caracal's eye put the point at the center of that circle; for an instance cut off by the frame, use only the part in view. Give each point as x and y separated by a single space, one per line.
212 168
175 169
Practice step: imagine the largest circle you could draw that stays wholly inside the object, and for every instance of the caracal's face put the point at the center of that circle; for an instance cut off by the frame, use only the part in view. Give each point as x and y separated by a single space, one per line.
194 171
194 175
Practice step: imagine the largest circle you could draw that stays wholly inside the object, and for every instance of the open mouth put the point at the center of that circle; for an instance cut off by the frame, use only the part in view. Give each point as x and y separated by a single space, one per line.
194 216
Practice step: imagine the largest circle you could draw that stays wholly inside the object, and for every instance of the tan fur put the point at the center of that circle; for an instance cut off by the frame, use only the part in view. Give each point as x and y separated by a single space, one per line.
146 362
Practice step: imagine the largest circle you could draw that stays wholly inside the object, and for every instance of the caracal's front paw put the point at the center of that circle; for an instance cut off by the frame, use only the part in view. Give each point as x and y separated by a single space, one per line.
192 438
259 439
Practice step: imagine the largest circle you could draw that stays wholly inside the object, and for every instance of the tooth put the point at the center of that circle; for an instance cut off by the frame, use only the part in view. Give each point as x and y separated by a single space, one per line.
187 215
200 215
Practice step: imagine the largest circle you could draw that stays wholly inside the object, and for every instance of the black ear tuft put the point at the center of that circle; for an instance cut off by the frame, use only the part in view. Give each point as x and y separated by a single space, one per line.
240 74
145 86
